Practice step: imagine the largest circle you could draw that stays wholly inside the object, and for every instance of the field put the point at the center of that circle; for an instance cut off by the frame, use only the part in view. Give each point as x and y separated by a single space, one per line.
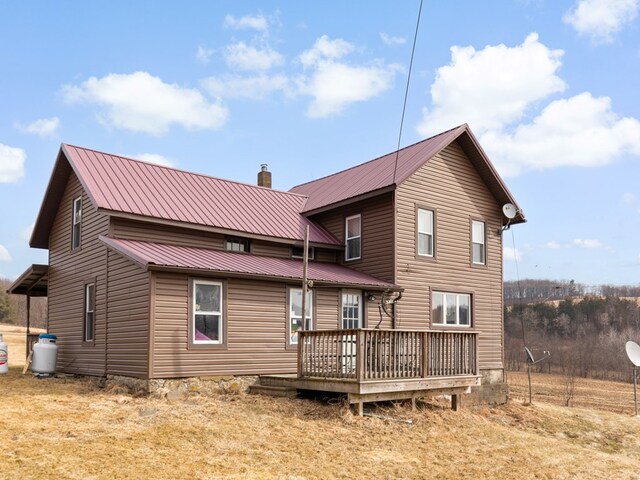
70 428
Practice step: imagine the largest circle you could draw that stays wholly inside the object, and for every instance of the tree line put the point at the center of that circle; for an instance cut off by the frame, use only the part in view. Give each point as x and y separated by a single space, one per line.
585 334
13 308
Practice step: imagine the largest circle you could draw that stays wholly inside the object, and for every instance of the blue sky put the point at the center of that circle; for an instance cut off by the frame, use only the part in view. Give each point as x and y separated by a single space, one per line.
548 87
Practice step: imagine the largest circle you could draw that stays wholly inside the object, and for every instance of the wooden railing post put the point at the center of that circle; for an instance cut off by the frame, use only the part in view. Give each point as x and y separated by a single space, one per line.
300 352
360 349
424 373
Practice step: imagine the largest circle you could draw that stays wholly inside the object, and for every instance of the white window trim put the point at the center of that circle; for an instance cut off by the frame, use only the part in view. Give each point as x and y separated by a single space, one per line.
431 234
358 293
89 308
444 309
194 313
309 312
347 238
483 243
77 202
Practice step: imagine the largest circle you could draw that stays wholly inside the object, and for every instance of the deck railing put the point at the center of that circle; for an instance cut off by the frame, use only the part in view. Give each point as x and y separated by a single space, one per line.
371 354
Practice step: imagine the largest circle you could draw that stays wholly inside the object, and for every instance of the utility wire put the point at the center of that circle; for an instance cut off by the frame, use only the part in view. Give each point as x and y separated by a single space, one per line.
406 92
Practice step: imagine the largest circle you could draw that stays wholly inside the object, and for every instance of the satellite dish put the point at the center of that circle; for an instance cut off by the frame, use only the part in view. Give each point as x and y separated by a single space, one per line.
530 355
509 210
633 352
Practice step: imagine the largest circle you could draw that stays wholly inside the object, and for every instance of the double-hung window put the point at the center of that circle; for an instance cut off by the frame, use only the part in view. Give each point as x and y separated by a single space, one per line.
351 309
295 313
353 237
478 243
451 309
76 222
207 311
89 311
425 232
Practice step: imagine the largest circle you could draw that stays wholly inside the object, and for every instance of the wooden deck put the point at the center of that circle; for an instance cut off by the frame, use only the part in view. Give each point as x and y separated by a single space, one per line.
375 365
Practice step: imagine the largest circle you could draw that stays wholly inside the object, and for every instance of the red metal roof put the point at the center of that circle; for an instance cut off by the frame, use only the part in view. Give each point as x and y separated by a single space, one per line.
160 255
383 172
119 184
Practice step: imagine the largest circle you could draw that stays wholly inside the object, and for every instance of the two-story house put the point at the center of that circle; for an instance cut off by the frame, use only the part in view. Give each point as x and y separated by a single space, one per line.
160 273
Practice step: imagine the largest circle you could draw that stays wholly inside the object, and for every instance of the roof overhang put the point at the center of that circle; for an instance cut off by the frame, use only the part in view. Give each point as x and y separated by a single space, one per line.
33 282
179 259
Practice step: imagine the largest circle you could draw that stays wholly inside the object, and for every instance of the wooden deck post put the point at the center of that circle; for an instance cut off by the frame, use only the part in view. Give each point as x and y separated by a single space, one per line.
456 402
360 334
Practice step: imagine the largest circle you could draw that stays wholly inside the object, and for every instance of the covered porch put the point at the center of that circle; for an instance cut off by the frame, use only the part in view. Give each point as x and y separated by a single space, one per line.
382 364
34 282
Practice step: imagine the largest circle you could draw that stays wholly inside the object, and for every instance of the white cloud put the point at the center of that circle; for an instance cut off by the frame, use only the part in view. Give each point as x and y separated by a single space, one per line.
579 131
629 197
492 87
141 102
43 127
512 254
203 54
254 87
325 49
552 245
11 163
4 254
255 22
587 243
245 57
25 234
334 84
601 19
389 40
153 158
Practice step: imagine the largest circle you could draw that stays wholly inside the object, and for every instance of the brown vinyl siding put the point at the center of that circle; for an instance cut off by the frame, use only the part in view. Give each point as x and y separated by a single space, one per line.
270 249
128 318
150 232
256 328
377 234
69 272
451 185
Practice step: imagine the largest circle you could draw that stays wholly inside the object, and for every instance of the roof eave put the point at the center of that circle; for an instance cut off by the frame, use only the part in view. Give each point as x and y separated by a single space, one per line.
275 278
349 201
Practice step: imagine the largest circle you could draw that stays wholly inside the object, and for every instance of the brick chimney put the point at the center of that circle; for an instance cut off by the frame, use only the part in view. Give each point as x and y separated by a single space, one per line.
264 176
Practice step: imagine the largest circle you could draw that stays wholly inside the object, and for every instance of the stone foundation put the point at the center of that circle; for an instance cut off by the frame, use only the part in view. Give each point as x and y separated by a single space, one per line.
174 388
493 390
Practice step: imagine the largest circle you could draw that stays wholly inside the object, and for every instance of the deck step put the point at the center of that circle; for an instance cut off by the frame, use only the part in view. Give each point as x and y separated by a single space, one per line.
273 391
288 381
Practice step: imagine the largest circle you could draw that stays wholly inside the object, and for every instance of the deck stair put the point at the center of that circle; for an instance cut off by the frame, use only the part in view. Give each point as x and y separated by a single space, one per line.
274 387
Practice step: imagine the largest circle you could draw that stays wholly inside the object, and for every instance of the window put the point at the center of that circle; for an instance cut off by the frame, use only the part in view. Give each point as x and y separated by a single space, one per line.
425 232
477 242
353 238
76 223
207 312
298 252
451 309
89 311
351 309
295 313
238 245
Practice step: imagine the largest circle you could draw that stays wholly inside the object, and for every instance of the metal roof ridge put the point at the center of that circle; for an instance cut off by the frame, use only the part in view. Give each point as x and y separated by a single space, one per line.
379 157
188 172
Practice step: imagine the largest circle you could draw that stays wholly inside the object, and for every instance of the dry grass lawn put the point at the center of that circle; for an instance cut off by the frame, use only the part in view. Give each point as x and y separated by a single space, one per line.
69 428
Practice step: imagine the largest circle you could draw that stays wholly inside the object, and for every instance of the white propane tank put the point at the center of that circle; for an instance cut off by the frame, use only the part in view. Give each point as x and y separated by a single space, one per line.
45 354
4 356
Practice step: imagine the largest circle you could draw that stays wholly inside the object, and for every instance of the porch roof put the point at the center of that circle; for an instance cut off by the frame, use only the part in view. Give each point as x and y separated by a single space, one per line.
33 282
159 256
